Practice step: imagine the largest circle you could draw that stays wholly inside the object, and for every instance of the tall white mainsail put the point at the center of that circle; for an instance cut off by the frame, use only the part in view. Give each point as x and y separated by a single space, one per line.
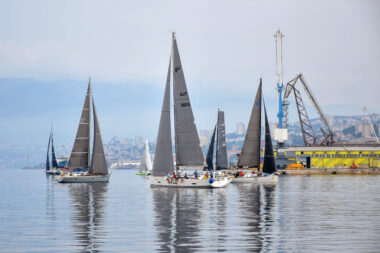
80 154
187 144
146 162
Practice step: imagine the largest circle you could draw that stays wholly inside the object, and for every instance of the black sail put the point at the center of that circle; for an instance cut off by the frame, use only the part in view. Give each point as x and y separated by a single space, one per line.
47 155
187 144
79 157
221 149
269 165
163 157
250 153
98 161
210 152
53 157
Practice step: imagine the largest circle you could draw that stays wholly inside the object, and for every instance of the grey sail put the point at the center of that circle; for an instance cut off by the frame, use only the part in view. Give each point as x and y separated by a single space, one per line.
187 144
210 152
53 157
269 165
98 161
163 158
47 155
79 157
221 149
250 153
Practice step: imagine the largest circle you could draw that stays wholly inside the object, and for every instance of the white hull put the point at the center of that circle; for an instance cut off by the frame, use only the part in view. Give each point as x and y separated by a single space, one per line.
273 178
82 179
52 172
189 183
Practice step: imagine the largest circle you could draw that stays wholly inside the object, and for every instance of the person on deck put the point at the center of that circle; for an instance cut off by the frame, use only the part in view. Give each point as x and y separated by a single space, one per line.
196 174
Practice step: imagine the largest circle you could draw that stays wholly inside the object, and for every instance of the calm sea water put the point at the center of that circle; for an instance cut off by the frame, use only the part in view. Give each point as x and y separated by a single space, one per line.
299 214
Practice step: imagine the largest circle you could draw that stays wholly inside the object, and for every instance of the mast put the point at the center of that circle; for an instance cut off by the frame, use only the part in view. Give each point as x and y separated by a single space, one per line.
163 158
187 144
47 155
269 165
250 153
98 161
80 154
210 152
221 149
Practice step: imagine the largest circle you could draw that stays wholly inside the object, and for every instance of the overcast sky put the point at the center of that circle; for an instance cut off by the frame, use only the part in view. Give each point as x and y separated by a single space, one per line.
225 46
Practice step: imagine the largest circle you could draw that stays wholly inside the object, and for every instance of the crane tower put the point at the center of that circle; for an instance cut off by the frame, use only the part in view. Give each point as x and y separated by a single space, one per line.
280 134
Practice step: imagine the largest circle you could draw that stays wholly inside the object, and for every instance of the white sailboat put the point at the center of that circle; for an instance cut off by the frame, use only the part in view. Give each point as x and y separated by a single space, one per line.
146 163
80 155
189 155
250 153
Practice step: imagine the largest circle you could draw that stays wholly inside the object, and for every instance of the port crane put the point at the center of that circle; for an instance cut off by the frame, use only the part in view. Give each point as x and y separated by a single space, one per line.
308 134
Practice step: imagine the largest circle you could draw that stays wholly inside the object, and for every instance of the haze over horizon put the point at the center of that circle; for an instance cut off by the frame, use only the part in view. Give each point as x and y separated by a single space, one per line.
225 48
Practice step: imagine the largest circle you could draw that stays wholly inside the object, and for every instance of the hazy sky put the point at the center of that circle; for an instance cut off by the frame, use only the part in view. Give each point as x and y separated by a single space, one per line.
225 46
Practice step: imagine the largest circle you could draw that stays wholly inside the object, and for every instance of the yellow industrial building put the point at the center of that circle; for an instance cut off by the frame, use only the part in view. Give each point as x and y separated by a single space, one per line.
334 157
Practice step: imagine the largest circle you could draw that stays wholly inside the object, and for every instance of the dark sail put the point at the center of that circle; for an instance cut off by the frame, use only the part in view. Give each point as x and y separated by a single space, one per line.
79 157
53 157
221 149
210 152
47 155
269 165
250 153
187 144
98 161
163 158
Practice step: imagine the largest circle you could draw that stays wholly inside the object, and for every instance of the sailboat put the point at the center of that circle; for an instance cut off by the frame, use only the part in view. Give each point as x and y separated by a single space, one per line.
189 155
146 163
80 154
53 169
219 133
250 153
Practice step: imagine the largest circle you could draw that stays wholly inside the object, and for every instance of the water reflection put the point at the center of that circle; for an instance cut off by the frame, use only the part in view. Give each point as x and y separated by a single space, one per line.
178 216
239 218
88 201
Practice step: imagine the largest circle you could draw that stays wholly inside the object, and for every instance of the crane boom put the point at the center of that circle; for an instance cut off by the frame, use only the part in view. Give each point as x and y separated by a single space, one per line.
290 86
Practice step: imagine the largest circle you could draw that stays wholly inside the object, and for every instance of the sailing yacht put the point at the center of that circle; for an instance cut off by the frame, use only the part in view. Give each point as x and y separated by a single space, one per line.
189 155
219 133
250 153
80 154
51 170
146 163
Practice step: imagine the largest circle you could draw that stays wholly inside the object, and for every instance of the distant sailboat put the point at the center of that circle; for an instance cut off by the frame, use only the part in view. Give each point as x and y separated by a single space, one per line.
221 148
80 154
146 163
187 145
250 153
53 169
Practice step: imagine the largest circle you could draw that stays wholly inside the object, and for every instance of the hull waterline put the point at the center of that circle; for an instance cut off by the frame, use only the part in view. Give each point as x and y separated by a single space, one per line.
82 179
188 183
273 178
